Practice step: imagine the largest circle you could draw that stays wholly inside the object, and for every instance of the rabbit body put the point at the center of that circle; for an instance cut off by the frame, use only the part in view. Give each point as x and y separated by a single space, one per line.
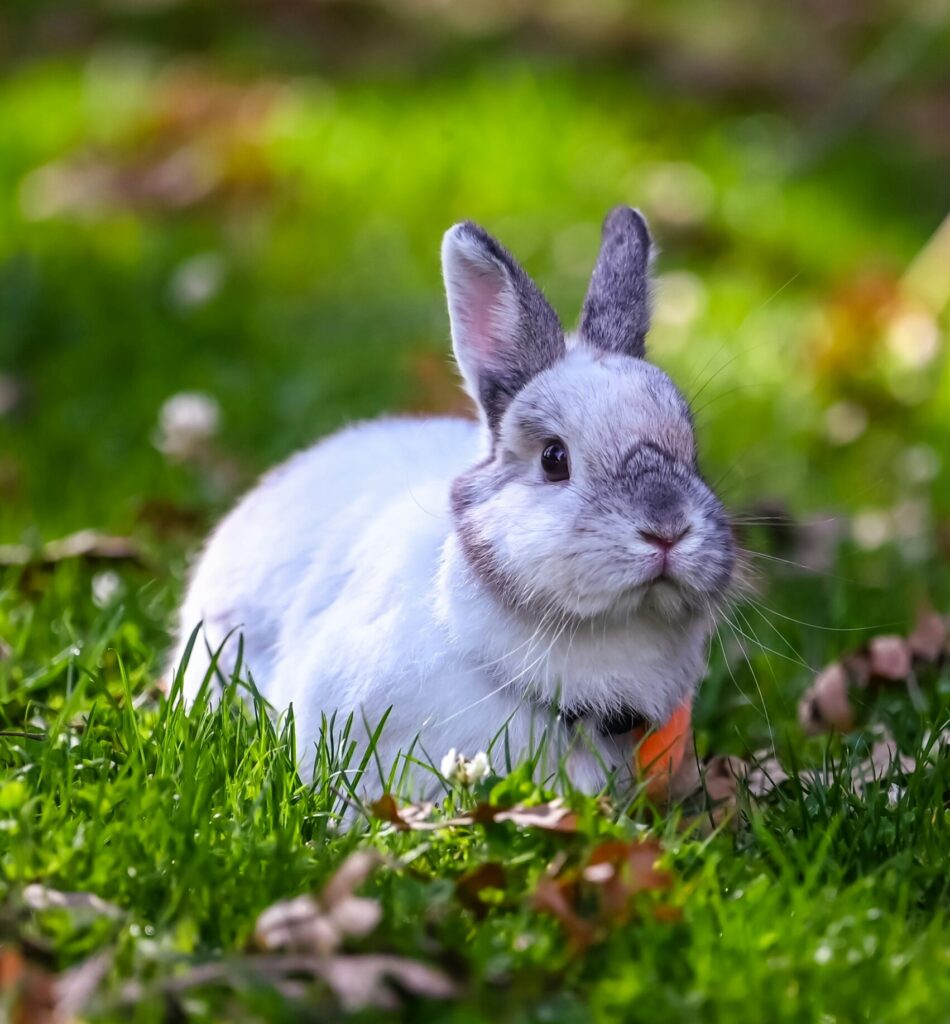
437 570
361 601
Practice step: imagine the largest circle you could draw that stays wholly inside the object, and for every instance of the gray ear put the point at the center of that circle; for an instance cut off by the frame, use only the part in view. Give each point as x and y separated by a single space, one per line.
503 330
616 314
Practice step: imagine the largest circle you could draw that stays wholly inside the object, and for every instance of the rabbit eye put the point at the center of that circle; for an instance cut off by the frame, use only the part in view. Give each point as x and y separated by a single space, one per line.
554 461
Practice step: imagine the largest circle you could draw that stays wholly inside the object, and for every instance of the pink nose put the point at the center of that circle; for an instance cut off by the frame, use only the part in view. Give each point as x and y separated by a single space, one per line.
663 542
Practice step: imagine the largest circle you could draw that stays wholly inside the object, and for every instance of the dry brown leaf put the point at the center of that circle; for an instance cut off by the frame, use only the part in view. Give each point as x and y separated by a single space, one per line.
34 998
358 981
554 816
76 987
410 816
613 874
88 904
470 886
200 140
686 780
363 981
558 898
825 705
885 757
929 637
12 967
356 916
857 667
89 544
305 924
37 996
765 774
716 784
621 869
298 925
890 657
349 876
722 775
319 925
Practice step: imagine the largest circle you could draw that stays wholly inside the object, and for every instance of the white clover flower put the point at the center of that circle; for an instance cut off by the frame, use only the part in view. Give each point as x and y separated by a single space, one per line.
894 794
197 280
106 586
186 422
450 764
459 770
478 767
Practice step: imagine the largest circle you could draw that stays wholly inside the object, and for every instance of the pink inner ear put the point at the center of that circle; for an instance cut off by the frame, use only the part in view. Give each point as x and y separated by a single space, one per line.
489 320
481 313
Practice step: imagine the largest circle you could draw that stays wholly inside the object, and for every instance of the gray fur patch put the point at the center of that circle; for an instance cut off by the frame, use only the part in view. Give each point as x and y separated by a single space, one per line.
616 315
533 342
470 490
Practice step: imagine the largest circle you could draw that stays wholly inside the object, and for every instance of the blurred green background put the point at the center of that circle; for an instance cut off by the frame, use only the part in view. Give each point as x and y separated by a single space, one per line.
219 233
245 200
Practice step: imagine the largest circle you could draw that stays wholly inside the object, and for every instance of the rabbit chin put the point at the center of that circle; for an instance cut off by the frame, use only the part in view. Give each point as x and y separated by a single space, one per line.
661 598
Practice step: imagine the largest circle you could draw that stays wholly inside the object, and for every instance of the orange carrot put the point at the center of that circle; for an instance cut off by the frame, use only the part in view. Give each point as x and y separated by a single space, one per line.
661 750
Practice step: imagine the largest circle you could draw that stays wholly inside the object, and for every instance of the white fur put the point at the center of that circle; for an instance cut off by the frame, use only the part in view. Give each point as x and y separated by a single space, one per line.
433 568
360 600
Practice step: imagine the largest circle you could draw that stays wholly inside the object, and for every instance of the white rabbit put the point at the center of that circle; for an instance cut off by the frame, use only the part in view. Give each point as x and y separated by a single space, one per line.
554 569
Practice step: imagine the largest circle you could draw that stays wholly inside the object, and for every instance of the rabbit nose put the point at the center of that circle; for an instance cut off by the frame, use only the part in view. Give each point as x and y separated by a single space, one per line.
665 540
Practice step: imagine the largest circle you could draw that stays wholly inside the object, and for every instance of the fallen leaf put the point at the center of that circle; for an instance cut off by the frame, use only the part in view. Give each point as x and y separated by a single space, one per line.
37 996
308 924
34 998
75 987
890 657
358 981
857 667
929 637
722 775
298 925
40 897
470 886
621 869
765 775
885 757
556 898
351 874
12 967
12 393
686 780
88 544
825 705
364 981
410 816
356 916
553 816
615 871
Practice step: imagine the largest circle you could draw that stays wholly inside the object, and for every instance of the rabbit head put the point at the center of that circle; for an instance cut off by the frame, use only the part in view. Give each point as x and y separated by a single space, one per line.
589 501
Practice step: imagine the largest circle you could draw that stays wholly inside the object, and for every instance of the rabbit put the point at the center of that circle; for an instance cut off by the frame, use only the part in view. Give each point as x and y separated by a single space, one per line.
552 570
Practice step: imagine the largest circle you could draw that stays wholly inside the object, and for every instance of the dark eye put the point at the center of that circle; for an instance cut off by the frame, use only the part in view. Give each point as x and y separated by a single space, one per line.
554 461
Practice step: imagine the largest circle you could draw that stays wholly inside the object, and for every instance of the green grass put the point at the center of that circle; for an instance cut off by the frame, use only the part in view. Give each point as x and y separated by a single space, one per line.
822 905
321 225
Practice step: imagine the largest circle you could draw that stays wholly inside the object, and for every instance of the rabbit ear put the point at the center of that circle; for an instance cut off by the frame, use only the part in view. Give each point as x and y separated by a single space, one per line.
503 330
616 313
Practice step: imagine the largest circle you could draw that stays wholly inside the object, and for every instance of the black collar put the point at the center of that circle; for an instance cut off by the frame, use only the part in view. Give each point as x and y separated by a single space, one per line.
615 724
